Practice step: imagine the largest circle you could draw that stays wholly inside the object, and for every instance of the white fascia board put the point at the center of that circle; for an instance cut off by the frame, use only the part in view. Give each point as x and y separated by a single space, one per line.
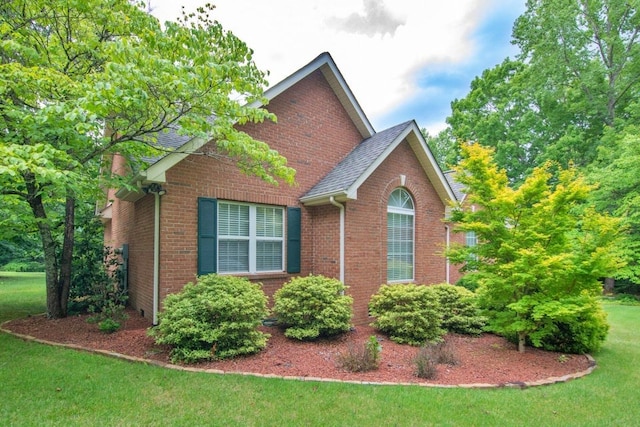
414 137
325 199
329 69
435 174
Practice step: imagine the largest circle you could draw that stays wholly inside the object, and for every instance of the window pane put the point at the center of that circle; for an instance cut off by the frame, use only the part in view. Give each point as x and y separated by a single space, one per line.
269 221
233 256
268 256
233 219
399 246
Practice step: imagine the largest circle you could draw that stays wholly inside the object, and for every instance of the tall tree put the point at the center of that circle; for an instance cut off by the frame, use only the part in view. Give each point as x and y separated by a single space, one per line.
540 253
578 71
71 69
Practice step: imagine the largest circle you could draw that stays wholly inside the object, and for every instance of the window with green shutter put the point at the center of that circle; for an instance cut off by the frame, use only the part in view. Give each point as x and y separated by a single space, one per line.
247 238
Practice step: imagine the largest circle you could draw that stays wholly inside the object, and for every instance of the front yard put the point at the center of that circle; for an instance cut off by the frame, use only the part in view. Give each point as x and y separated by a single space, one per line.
43 385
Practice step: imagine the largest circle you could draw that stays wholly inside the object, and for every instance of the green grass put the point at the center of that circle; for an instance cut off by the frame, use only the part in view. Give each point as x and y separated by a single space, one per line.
43 385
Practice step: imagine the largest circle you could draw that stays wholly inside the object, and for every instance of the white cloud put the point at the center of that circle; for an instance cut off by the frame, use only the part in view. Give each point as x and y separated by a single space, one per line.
379 45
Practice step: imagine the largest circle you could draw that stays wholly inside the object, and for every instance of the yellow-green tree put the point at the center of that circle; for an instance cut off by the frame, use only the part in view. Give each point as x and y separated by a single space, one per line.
540 255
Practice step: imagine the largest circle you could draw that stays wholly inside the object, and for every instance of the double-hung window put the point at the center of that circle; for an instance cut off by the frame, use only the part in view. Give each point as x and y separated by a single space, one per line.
400 236
250 238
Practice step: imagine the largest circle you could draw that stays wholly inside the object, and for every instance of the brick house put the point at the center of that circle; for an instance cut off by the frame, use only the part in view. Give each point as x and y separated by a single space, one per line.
368 207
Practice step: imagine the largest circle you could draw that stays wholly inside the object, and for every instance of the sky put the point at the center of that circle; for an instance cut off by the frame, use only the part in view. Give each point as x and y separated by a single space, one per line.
402 59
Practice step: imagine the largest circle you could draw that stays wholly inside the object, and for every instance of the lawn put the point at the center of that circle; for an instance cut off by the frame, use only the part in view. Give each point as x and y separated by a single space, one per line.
43 385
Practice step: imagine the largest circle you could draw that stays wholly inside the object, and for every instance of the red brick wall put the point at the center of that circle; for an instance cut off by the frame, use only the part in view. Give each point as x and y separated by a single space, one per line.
366 246
313 132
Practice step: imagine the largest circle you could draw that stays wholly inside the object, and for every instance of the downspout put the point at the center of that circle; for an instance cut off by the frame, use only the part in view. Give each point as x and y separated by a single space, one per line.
448 266
341 207
156 258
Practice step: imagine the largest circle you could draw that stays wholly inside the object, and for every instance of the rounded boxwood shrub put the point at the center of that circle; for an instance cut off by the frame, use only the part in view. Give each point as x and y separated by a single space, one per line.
215 318
460 313
313 306
408 313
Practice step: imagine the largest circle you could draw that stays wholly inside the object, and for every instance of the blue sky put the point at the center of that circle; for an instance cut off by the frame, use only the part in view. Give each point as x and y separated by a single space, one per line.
403 59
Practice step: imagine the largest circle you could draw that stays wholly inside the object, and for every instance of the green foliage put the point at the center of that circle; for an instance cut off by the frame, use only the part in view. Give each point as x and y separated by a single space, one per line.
313 306
215 318
575 75
408 313
108 325
361 358
460 311
617 176
574 325
70 70
469 281
541 250
23 266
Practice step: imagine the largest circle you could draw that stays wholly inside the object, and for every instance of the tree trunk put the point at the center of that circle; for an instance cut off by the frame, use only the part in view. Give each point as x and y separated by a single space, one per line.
57 274
522 338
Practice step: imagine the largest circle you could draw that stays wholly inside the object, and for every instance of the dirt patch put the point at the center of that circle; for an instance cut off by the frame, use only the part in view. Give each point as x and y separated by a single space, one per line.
487 359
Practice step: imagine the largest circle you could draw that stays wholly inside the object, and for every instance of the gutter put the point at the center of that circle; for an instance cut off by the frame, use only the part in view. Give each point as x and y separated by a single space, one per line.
342 220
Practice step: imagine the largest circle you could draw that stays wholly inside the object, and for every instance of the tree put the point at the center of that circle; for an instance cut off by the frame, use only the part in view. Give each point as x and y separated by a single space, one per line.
577 72
443 147
541 252
616 174
83 79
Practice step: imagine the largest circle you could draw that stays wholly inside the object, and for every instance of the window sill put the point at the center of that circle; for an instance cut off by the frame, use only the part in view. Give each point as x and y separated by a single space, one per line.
261 276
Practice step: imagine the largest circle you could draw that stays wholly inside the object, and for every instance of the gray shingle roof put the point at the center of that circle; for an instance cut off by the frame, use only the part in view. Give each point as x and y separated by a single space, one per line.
347 172
170 140
458 189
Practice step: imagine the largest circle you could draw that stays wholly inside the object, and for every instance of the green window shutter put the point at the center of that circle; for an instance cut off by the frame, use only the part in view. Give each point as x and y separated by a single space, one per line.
207 235
294 231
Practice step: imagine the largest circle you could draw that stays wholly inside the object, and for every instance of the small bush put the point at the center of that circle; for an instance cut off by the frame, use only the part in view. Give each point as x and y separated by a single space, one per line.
23 266
426 365
431 355
361 358
409 314
108 326
215 318
460 313
469 281
312 307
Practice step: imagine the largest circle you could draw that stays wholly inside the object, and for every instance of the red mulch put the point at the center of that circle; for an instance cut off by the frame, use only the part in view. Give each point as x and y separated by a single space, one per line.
487 359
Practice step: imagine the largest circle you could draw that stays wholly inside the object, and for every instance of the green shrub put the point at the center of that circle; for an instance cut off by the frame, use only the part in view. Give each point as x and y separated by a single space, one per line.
582 330
361 358
312 307
215 318
409 314
108 326
23 266
460 313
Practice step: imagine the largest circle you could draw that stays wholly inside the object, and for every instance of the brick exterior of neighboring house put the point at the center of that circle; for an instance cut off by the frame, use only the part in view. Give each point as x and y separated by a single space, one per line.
346 173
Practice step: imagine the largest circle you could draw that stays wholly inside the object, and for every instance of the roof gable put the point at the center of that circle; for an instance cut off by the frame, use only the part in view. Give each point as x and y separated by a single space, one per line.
182 146
343 181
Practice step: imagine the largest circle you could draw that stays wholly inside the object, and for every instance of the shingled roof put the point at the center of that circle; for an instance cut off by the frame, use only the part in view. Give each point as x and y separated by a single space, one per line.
343 181
352 167
458 189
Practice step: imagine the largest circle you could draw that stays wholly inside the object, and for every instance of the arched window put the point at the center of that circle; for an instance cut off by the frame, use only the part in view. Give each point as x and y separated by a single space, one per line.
400 238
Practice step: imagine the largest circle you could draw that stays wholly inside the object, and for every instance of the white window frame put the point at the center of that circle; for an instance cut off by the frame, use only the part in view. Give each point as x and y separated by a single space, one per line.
406 212
252 238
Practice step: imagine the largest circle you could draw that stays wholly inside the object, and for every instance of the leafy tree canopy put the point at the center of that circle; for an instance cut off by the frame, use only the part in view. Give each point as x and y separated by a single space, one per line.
84 78
577 72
